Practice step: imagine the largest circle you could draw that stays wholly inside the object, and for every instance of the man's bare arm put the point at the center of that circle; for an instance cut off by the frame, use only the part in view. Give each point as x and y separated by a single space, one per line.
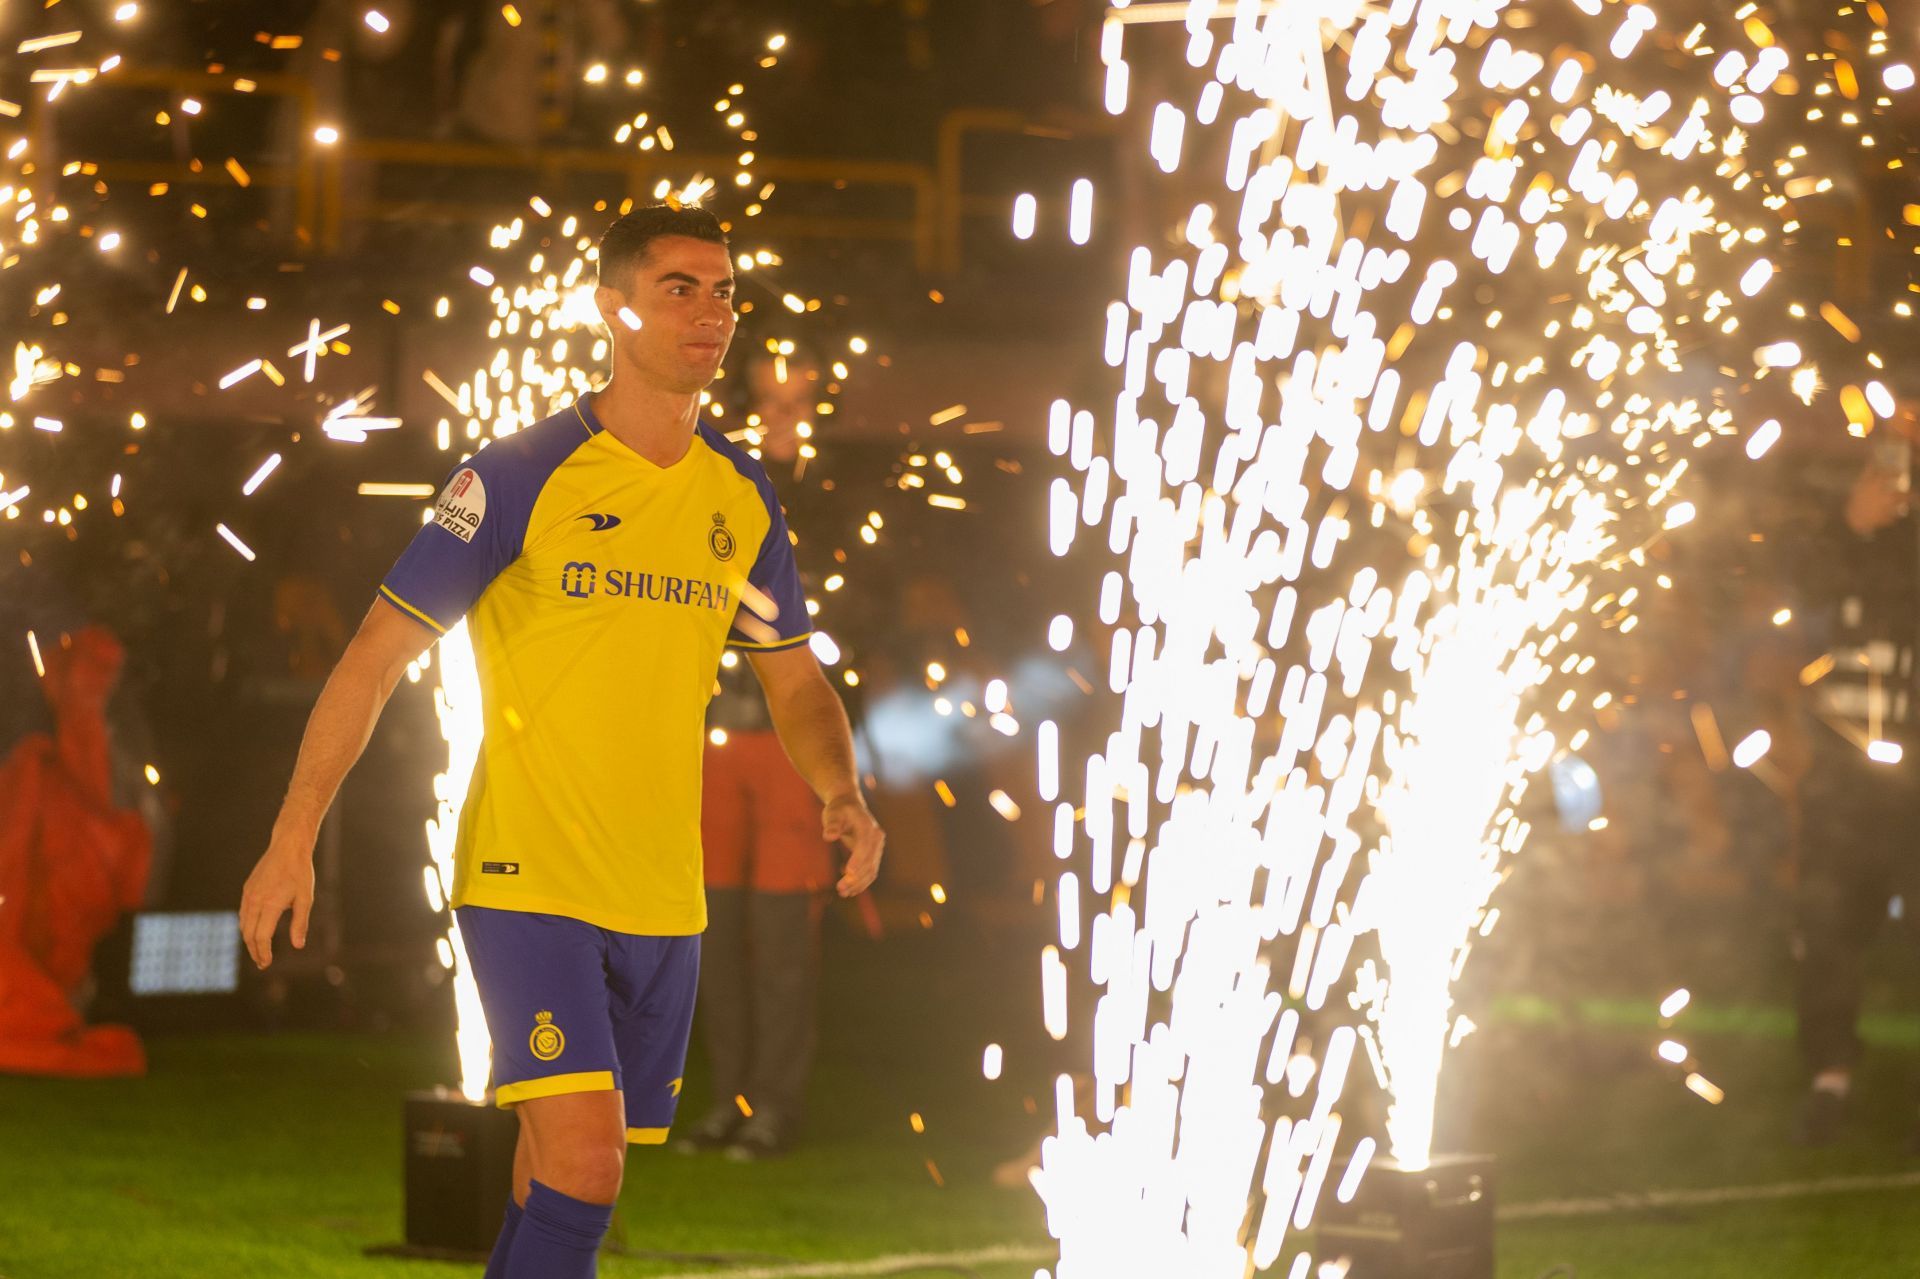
337 731
813 729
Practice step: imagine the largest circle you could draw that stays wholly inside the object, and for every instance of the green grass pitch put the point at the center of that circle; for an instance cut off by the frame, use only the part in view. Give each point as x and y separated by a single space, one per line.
279 1155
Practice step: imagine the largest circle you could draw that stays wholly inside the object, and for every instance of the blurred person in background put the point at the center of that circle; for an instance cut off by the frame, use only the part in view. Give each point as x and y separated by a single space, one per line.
768 870
1859 803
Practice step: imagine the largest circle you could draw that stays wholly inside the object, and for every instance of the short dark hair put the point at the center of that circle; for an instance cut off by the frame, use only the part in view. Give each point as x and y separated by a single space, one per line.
625 243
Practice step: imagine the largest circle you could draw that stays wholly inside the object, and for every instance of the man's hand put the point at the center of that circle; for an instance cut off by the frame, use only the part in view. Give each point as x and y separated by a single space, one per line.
1875 502
282 880
846 819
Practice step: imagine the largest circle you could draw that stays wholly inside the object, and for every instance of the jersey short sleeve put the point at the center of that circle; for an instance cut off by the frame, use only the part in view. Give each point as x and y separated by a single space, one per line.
773 612
479 524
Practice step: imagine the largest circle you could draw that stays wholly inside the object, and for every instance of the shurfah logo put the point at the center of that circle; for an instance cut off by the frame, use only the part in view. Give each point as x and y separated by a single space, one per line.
719 540
581 580
462 505
576 579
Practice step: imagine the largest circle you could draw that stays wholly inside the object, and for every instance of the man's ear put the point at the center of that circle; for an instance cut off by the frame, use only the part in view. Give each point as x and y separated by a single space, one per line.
608 300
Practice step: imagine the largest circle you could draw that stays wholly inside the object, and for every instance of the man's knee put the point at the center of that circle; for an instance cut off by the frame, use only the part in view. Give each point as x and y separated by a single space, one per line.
588 1171
578 1143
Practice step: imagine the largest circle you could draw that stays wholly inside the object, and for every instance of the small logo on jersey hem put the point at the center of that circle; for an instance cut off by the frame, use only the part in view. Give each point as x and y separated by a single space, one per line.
499 868
719 539
601 523
547 1040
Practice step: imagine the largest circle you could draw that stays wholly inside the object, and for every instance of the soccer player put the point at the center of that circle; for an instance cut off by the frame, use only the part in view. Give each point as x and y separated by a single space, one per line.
603 558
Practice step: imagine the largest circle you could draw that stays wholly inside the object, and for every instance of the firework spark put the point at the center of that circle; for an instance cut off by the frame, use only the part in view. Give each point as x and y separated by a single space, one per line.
1396 426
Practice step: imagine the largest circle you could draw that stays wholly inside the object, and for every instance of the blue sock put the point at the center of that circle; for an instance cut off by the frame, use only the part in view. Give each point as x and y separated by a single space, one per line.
559 1237
497 1263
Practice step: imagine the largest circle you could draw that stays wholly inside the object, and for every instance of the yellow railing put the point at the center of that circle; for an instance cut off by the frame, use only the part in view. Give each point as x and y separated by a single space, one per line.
642 173
950 164
322 208
301 175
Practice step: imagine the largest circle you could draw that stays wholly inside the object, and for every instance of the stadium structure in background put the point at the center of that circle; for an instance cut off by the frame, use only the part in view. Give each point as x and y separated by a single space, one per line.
1437 308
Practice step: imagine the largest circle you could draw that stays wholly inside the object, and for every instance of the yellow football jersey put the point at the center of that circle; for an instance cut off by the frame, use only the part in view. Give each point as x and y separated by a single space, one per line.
599 590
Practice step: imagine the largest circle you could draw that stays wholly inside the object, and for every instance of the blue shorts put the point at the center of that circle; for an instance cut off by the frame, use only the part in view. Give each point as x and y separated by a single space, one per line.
573 1007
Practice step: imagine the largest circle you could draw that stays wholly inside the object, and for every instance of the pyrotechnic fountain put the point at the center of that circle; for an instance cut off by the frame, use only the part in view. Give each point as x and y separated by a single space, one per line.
1399 412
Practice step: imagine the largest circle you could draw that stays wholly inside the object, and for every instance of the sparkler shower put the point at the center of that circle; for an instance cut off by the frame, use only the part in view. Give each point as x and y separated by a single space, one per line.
1399 419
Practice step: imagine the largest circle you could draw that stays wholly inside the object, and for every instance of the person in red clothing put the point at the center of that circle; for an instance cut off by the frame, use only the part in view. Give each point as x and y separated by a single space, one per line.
71 863
768 875
768 872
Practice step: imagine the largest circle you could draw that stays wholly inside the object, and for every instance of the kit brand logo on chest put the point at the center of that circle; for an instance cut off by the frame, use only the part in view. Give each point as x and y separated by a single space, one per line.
601 523
720 539
462 505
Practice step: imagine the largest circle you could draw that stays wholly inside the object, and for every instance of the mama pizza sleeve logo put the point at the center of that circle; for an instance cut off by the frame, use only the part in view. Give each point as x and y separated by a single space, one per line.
462 505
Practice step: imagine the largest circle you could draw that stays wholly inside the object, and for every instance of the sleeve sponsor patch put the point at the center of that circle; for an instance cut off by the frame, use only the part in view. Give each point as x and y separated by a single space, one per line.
462 505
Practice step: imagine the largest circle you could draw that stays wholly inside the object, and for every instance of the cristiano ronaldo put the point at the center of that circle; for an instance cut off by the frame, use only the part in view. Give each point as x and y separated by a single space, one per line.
602 559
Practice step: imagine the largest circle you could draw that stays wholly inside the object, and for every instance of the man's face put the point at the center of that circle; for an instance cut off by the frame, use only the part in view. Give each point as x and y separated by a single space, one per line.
682 294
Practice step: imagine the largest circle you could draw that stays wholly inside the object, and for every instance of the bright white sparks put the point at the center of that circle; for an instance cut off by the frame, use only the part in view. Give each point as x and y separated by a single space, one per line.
1392 431
1752 748
240 374
1080 212
233 540
1026 210
259 477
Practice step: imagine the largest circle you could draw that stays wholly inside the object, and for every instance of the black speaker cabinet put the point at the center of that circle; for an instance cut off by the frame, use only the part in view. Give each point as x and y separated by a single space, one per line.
1433 1223
459 1166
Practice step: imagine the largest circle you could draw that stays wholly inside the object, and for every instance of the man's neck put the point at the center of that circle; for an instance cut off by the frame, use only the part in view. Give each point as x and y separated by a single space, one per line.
658 425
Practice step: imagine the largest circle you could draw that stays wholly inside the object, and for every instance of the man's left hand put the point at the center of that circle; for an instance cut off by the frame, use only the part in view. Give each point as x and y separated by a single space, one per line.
847 820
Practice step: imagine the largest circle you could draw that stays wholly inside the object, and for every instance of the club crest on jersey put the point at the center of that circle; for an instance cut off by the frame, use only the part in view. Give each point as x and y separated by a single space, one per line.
547 1040
462 505
719 539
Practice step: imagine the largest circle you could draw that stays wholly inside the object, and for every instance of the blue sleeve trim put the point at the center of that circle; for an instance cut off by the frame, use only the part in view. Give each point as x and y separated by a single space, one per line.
387 594
782 646
773 570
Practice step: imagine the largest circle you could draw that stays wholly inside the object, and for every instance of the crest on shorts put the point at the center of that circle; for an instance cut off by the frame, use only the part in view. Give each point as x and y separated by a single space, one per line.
547 1041
719 539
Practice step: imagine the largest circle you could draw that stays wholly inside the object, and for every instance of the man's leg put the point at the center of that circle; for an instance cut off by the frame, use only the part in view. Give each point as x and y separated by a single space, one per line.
1837 925
725 830
578 1153
543 989
1844 888
522 1163
724 1014
516 1203
786 964
792 873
